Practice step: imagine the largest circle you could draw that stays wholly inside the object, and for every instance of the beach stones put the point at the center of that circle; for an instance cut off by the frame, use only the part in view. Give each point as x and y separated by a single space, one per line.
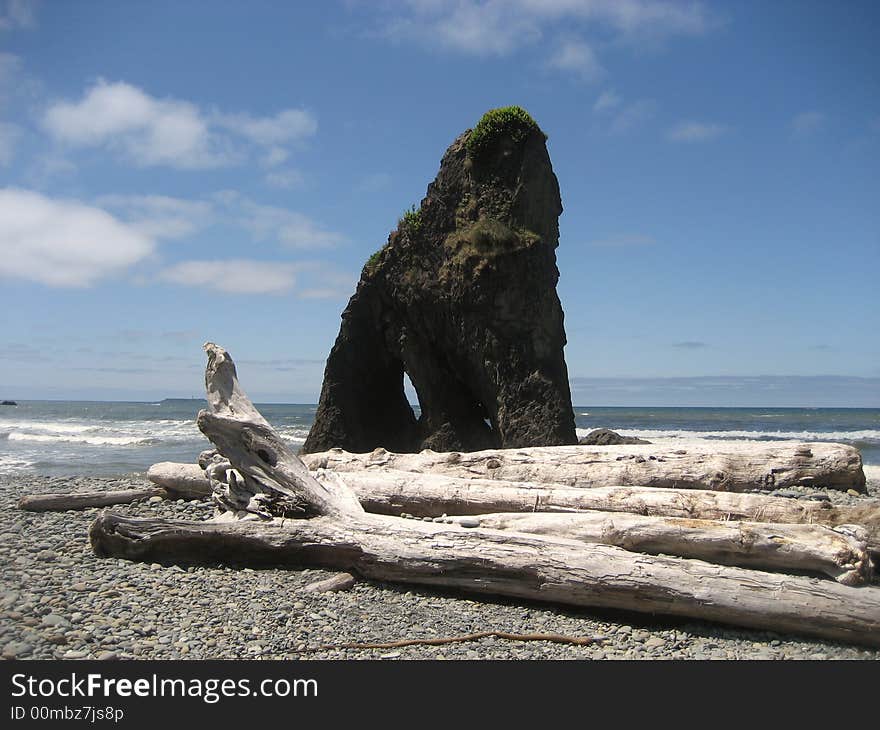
16 649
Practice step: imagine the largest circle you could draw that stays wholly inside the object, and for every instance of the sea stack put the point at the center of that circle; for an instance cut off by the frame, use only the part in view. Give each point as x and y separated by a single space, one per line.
463 299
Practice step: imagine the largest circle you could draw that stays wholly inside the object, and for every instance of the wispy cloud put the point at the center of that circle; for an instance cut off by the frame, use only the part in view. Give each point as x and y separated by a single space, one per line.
690 131
807 123
374 183
308 279
164 217
235 276
607 100
577 56
18 14
286 126
288 227
19 352
690 345
160 216
9 136
476 28
64 243
503 27
616 116
285 179
624 240
760 390
150 131
631 115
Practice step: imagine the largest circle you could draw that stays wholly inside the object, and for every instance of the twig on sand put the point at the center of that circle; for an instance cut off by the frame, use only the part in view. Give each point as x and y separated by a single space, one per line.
554 638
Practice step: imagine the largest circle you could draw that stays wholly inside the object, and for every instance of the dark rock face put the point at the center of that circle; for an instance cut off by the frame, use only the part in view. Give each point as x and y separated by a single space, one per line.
606 437
463 299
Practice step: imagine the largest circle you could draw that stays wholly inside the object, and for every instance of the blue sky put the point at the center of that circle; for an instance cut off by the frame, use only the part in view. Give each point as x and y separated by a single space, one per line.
174 172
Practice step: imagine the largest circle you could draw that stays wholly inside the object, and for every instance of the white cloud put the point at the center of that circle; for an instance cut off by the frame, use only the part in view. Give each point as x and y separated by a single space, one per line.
374 183
17 14
235 276
160 216
286 126
63 243
578 57
46 168
695 131
288 227
275 156
147 130
285 179
172 132
164 217
631 115
500 27
806 123
306 279
607 100
478 28
9 135
10 67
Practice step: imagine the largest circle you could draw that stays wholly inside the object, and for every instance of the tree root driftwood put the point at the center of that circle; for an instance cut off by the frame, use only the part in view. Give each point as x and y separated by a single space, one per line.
732 467
277 512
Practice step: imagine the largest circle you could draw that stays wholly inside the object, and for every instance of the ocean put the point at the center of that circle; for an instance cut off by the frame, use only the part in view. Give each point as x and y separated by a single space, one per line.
84 438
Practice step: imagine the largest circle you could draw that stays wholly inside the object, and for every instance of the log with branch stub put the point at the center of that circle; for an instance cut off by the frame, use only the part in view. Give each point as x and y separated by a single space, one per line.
731 467
276 511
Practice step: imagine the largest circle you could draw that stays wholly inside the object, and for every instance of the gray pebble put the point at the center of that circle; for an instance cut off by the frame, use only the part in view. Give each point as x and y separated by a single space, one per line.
16 649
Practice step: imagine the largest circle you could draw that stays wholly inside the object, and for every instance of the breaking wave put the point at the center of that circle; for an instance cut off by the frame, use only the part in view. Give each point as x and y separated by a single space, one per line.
868 436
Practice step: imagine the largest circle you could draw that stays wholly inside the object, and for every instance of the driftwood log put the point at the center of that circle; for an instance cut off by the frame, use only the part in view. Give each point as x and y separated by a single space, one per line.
82 500
190 483
838 552
276 511
393 492
732 467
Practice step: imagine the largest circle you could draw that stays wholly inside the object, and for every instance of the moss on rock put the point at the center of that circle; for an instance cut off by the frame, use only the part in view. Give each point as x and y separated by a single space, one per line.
510 121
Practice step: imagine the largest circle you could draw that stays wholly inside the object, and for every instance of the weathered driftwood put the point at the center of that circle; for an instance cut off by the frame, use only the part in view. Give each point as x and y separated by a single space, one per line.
495 563
393 492
431 495
838 552
333 531
82 500
731 467
189 482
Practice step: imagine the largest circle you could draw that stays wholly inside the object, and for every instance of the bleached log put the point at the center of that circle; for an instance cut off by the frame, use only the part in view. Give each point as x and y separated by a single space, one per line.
186 480
332 530
729 467
393 492
494 563
82 500
838 552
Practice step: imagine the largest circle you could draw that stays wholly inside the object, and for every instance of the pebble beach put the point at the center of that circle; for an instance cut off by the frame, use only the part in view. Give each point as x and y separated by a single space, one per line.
59 601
